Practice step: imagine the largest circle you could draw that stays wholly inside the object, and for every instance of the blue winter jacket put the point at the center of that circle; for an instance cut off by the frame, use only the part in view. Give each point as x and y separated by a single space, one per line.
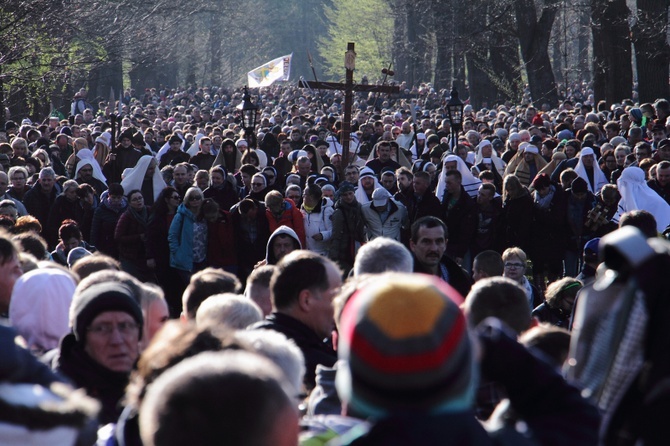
180 239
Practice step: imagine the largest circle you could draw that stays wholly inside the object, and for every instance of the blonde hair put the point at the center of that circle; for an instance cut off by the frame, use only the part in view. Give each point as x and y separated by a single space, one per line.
514 252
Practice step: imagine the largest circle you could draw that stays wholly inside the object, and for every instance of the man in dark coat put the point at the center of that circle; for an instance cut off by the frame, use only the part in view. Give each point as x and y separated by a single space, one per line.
429 245
122 157
40 199
303 287
100 352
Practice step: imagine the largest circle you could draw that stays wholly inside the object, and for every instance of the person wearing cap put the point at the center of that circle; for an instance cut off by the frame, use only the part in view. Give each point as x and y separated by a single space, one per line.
590 262
400 316
384 216
512 147
101 350
662 151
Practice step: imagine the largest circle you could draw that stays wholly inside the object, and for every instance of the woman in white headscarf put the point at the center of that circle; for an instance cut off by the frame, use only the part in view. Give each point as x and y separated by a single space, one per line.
40 305
147 178
637 195
587 161
469 182
91 173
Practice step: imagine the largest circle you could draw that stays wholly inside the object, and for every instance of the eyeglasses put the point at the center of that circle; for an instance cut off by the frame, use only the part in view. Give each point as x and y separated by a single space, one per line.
514 265
176 197
125 328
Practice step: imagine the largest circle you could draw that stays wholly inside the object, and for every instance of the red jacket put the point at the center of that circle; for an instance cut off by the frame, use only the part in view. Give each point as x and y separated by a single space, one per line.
291 217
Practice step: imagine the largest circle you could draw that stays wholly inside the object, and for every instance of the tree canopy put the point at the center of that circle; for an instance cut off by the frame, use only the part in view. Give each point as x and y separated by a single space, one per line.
495 51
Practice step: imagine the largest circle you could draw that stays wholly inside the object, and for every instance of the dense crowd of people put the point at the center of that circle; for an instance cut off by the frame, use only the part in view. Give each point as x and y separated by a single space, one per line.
272 252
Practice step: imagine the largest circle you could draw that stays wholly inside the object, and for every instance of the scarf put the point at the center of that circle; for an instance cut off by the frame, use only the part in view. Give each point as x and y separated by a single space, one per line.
142 216
543 203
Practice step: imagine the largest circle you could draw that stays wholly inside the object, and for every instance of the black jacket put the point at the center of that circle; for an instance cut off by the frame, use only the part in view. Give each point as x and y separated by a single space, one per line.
316 350
459 279
100 383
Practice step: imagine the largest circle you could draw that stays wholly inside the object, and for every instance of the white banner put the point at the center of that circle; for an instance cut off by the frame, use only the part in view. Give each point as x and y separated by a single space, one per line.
275 70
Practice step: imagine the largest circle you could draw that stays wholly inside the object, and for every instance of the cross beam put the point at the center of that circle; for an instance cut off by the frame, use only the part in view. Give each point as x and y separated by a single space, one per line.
348 87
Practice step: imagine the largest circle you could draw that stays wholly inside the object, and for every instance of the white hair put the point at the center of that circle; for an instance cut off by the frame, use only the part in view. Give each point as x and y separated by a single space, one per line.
383 254
279 349
229 309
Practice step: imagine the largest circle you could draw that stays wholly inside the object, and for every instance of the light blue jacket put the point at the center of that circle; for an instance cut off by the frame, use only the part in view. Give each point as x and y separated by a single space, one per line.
180 239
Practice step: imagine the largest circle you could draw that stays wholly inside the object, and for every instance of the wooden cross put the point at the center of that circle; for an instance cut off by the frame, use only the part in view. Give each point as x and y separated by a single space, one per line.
348 87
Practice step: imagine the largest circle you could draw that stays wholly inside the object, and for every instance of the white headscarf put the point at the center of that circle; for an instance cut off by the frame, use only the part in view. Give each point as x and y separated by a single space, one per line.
360 194
40 305
470 183
637 195
134 179
195 147
86 157
598 176
495 160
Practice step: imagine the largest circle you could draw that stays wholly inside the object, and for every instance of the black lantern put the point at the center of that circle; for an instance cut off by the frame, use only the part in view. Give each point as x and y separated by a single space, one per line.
249 117
455 115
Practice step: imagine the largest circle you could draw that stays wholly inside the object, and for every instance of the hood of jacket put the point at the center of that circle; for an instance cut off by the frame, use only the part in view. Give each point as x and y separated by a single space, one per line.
282 230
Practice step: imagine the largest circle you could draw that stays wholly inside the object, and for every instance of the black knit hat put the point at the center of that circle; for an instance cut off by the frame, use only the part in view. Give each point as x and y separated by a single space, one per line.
108 296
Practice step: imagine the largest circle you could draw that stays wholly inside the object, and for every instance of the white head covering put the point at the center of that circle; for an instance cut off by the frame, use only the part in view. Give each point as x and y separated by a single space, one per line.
86 157
105 138
262 158
599 178
470 183
360 194
40 305
134 179
195 147
333 145
637 195
495 160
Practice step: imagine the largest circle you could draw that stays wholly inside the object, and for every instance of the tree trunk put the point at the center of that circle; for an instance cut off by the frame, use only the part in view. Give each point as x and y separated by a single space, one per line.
534 41
584 14
400 61
612 68
651 49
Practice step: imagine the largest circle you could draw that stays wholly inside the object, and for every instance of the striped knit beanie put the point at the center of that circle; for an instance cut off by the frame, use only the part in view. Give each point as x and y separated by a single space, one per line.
407 347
